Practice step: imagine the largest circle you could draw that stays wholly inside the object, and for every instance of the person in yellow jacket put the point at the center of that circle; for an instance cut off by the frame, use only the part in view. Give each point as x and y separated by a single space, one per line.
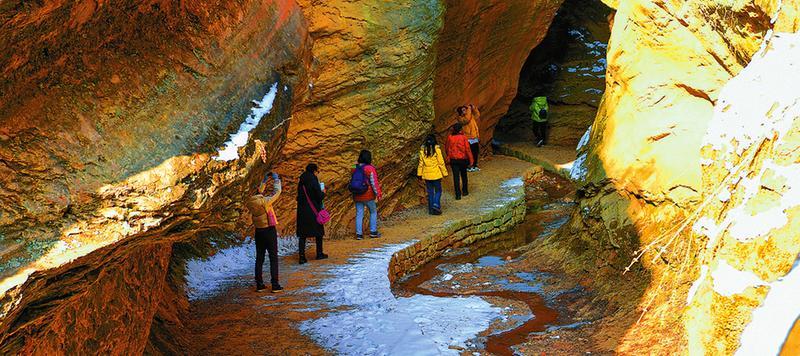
432 169
468 116
266 235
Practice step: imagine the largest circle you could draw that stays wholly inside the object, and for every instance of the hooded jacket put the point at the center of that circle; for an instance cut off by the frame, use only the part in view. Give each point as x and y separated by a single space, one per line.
539 103
260 206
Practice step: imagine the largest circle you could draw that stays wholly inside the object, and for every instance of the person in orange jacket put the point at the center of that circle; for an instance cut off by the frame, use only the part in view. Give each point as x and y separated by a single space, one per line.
468 116
459 155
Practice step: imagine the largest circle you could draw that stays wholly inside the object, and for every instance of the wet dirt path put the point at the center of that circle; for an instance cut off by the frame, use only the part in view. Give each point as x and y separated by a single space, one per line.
496 251
238 320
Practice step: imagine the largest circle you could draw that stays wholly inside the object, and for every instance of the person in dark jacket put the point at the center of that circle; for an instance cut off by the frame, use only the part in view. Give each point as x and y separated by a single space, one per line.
309 189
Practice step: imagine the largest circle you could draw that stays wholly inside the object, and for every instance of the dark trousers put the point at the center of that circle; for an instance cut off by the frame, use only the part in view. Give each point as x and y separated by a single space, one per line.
267 241
302 246
475 147
434 188
460 176
540 131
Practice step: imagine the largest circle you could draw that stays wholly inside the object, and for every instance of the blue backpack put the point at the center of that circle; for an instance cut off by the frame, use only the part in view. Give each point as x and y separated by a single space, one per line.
358 182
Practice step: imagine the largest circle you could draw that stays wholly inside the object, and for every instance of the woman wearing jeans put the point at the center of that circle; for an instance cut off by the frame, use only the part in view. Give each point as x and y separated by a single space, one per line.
431 168
369 198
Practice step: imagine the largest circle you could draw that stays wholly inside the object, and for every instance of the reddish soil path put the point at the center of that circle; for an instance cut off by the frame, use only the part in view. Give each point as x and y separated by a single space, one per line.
241 321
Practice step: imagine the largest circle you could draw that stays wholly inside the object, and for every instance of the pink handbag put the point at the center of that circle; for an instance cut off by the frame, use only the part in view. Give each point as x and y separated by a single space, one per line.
322 216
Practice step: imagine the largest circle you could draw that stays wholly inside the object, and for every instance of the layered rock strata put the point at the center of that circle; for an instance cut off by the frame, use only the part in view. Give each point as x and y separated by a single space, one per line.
693 139
109 131
389 73
120 138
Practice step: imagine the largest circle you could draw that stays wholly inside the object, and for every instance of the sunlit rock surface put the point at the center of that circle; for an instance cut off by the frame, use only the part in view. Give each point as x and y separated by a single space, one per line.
688 184
110 118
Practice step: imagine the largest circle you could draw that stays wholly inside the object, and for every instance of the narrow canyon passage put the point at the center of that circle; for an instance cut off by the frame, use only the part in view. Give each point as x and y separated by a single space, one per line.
470 298
656 210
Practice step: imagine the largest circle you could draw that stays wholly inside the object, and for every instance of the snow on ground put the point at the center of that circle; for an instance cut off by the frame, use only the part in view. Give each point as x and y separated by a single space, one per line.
773 320
239 139
510 190
207 277
378 323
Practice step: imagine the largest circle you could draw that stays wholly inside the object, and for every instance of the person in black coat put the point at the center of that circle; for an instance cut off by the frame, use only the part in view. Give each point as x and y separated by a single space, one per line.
307 225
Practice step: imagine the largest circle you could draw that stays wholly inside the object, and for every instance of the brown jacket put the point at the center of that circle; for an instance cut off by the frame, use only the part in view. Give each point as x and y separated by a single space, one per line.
470 122
260 206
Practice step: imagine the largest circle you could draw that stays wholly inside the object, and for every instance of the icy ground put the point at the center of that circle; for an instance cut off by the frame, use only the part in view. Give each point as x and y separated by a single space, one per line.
373 321
207 277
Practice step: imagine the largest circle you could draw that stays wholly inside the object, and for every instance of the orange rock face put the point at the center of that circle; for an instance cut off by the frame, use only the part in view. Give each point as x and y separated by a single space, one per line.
112 117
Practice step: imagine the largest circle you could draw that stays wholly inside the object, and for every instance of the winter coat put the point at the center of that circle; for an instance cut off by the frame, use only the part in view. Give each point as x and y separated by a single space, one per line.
457 147
307 225
260 206
431 168
470 122
374 190
539 103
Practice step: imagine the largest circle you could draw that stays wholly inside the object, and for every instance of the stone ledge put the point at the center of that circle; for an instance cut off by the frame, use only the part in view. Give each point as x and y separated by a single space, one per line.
556 168
492 220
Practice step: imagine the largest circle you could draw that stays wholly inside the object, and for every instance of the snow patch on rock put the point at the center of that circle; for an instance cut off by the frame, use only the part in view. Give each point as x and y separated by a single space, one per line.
773 319
579 169
696 284
239 139
584 139
729 280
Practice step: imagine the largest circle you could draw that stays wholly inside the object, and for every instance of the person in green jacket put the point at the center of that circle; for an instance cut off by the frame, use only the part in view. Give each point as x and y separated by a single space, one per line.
539 114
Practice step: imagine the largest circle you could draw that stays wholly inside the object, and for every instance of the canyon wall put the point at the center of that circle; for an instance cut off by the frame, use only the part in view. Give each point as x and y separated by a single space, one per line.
127 128
389 73
568 68
111 117
688 179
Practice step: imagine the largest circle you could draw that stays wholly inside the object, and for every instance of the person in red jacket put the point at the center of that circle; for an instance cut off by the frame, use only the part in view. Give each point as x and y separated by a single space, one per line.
368 198
459 154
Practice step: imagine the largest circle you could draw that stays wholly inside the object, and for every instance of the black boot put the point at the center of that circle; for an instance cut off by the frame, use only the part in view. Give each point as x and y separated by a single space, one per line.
301 246
320 255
